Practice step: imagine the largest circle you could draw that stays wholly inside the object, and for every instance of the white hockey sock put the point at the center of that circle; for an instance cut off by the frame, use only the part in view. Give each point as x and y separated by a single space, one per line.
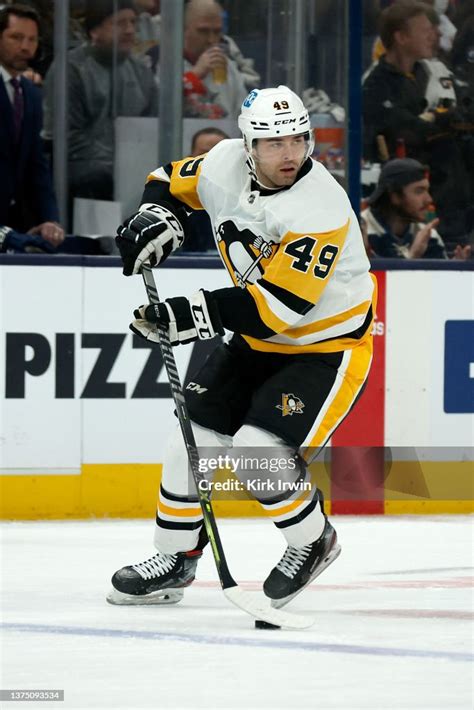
292 504
179 516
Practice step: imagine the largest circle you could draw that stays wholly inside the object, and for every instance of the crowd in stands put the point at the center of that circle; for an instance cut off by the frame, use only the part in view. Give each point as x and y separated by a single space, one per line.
419 105
418 112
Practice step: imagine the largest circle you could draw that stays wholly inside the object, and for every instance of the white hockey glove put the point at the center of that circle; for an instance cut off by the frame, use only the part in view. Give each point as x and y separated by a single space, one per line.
148 236
186 320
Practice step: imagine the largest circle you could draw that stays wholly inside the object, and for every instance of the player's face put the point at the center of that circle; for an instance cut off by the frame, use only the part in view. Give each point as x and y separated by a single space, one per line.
414 201
278 160
18 44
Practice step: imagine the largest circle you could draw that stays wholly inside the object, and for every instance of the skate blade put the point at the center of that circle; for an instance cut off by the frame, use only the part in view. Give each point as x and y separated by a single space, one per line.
333 555
164 596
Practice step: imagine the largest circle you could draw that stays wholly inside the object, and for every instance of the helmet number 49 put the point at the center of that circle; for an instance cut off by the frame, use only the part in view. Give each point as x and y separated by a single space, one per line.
302 253
279 105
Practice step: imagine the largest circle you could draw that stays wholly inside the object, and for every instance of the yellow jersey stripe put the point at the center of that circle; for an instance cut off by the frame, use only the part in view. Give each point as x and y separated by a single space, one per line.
266 314
324 323
342 396
328 346
331 345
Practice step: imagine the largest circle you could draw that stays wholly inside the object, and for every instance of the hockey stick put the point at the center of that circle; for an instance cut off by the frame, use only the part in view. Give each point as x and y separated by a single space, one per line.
242 277
246 601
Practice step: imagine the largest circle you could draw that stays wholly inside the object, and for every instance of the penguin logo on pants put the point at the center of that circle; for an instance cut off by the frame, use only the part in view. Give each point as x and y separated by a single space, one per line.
290 404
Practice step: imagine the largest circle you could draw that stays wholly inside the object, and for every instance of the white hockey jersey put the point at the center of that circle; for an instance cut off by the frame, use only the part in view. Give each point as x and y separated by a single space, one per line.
298 251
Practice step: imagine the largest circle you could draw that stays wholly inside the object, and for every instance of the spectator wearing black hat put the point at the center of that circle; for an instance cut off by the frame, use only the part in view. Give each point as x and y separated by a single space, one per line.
394 223
105 81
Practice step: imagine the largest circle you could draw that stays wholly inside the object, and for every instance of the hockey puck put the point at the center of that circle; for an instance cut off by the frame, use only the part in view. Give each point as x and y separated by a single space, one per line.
259 624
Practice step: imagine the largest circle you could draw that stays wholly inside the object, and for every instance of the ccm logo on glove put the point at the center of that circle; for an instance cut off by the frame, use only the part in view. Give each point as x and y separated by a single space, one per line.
201 321
186 320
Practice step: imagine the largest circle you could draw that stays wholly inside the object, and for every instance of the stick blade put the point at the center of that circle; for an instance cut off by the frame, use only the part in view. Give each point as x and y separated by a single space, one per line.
257 608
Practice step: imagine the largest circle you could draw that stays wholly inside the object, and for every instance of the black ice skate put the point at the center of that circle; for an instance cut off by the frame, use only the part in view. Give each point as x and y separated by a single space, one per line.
300 565
159 580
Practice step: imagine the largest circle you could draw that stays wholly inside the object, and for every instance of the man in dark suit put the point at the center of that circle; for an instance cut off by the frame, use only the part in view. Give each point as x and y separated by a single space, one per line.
27 201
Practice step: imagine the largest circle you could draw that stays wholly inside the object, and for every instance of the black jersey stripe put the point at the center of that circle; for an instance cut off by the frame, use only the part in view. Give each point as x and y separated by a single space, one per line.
290 300
358 332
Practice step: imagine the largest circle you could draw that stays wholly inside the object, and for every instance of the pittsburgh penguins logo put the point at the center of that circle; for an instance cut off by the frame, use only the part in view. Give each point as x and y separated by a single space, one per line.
290 404
243 251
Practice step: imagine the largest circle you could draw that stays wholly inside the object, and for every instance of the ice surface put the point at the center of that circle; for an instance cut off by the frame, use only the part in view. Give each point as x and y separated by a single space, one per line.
394 621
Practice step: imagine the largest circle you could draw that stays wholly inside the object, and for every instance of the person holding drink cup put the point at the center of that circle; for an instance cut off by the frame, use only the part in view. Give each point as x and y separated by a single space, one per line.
211 78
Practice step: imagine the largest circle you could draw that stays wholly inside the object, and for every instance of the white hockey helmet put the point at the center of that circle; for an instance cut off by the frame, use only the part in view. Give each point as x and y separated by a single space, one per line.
274 113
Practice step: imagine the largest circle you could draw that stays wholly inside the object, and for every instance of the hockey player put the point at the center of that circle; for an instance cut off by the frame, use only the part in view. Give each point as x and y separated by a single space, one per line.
300 309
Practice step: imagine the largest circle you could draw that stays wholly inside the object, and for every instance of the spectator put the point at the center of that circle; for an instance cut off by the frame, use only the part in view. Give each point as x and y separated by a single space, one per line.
393 90
394 223
11 240
27 201
396 108
445 29
211 78
198 229
205 139
437 79
45 9
213 85
105 81
245 65
45 55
